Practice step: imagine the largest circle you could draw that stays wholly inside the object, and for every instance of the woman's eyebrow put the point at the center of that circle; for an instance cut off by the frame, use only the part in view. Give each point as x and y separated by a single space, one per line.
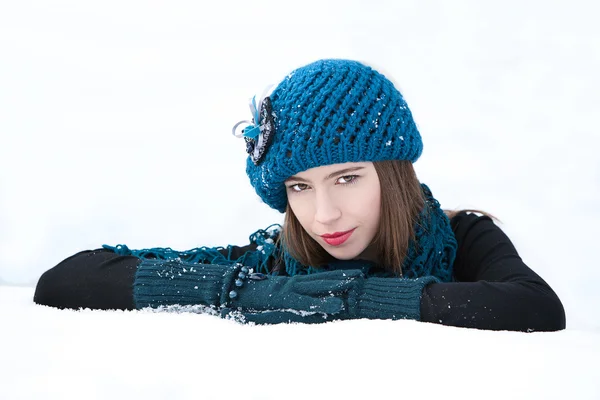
330 176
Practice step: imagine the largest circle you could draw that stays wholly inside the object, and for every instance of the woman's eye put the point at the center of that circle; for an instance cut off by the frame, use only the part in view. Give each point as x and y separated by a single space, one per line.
347 179
298 187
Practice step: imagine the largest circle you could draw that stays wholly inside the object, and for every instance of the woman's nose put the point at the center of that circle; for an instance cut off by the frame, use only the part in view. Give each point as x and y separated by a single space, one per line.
327 210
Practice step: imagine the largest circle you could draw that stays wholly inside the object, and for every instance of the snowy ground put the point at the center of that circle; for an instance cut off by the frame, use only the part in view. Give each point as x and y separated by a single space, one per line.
54 354
115 121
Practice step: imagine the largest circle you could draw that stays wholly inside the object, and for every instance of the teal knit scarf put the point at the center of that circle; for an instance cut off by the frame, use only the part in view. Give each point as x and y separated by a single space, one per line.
432 253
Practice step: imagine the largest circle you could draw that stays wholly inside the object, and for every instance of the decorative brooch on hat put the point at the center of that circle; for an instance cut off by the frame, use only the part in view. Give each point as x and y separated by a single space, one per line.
259 132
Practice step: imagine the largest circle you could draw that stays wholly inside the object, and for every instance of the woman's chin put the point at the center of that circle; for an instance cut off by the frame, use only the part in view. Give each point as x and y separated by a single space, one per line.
342 254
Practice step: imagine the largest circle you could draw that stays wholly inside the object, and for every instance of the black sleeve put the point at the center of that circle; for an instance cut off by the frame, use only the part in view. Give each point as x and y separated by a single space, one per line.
494 289
96 279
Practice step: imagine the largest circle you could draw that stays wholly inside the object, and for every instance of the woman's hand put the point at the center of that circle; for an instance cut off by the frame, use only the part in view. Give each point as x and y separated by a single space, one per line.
313 298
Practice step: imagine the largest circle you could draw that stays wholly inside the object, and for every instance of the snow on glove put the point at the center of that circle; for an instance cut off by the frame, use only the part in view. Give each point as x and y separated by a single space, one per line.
174 282
265 299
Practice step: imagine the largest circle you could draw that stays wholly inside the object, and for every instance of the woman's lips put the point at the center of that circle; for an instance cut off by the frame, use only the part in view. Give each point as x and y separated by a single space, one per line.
336 239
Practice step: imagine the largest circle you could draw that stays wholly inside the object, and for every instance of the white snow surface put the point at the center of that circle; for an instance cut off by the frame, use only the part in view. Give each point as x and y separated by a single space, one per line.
58 354
115 127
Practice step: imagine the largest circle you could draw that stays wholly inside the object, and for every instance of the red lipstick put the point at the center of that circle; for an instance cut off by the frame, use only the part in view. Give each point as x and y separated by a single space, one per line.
337 238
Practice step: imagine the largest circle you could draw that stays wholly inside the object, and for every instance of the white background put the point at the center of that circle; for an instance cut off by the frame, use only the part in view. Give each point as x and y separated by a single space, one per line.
116 116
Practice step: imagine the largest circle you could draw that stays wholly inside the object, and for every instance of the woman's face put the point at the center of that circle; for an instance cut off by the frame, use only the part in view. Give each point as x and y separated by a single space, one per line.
339 206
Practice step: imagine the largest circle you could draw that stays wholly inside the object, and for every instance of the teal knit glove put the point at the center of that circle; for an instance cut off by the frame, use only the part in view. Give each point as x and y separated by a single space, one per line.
319 297
388 298
169 282
310 298
372 298
162 283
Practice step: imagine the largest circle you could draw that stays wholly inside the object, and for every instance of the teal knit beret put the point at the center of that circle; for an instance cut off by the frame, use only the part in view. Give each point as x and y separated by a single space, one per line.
328 112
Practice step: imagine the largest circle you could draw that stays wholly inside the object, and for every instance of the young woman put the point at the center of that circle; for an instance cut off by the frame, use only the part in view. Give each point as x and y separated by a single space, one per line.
332 147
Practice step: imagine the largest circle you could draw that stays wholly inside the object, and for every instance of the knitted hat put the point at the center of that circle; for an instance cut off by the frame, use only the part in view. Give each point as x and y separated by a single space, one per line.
327 112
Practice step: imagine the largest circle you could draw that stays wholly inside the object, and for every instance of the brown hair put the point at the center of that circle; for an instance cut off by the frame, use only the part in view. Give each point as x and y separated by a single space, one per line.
401 202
